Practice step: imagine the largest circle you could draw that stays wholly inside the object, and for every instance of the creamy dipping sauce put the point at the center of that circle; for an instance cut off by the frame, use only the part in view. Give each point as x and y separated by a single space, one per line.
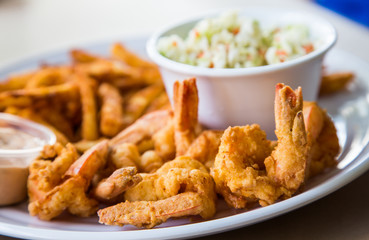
13 180
12 138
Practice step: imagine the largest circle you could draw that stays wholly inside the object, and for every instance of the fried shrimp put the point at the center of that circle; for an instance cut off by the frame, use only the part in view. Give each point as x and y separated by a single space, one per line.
205 147
143 128
70 191
117 183
185 114
247 169
322 137
184 191
287 163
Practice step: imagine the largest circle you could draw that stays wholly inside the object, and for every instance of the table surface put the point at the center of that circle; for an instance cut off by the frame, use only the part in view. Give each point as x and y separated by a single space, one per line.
31 27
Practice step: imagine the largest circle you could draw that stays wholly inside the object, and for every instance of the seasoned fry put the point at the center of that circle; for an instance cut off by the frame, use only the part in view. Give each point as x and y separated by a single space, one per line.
87 88
335 82
80 56
15 82
159 103
49 76
83 145
120 52
137 104
111 113
25 97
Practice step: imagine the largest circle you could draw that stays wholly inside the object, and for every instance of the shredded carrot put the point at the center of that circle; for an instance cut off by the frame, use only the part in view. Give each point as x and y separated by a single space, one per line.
236 31
308 48
281 52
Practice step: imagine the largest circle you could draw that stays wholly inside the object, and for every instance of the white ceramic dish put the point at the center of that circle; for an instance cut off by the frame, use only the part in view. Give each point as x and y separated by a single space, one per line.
225 92
349 109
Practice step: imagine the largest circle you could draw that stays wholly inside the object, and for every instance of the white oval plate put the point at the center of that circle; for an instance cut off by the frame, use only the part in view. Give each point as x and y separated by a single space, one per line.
349 109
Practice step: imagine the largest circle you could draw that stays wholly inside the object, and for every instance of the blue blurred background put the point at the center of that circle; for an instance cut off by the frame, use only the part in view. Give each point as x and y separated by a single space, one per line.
357 10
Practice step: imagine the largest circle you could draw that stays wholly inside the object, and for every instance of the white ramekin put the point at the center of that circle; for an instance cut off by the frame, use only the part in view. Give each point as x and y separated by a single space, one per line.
230 97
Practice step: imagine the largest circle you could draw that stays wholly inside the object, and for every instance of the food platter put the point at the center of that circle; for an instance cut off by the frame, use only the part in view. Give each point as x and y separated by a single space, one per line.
348 109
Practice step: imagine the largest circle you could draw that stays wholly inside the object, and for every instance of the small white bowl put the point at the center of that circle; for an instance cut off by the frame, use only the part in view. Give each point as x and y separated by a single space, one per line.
14 163
229 97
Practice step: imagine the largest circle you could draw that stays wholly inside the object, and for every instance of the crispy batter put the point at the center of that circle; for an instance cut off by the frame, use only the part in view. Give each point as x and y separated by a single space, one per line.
118 182
164 142
185 114
143 128
111 113
248 170
322 136
205 147
335 82
148 214
70 192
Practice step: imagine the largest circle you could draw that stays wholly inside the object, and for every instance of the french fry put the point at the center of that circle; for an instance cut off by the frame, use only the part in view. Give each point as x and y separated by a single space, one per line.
58 120
80 56
87 89
15 82
111 113
137 103
159 103
25 97
118 51
48 76
83 145
335 82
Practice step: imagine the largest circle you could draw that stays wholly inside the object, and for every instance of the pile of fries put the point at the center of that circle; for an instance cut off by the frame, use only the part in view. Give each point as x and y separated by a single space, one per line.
88 100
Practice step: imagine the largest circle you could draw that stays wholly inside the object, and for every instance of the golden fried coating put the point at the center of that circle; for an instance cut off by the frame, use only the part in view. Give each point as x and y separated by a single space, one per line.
335 82
176 189
148 214
239 167
322 136
47 170
150 162
70 191
205 147
111 112
288 162
186 102
118 182
247 169
143 128
124 155
164 142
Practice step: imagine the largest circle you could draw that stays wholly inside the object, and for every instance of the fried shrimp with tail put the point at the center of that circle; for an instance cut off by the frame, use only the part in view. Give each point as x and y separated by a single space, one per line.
287 163
249 168
322 136
118 182
177 189
70 191
185 114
